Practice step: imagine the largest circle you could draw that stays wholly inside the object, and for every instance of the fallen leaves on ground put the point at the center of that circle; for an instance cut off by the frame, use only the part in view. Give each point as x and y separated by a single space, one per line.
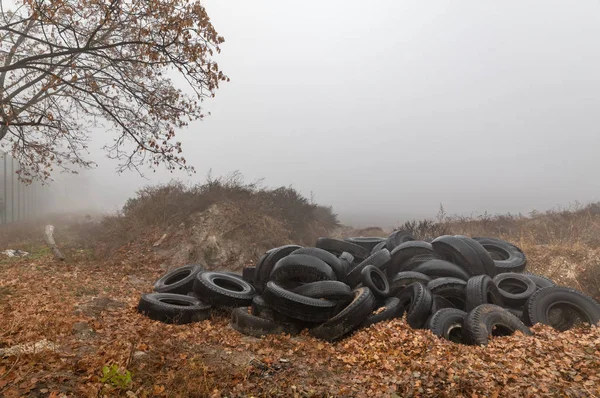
45 301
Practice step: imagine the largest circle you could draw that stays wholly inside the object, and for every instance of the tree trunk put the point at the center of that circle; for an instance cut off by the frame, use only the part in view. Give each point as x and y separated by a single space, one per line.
50 240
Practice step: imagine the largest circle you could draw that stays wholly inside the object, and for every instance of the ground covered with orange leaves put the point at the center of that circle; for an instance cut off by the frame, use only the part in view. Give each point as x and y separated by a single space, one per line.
61 324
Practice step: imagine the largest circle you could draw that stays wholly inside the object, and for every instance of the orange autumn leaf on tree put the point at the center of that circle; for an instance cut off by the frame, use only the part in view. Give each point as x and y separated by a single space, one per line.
71 65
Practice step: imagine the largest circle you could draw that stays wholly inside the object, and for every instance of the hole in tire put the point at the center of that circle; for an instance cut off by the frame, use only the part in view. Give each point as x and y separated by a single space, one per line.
563 316
180 303
501 330
497 253
454 333
228 285
378 281
178 277
513 286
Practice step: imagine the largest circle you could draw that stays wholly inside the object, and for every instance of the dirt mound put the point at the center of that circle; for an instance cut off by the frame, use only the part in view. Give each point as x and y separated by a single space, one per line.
224 235
222 223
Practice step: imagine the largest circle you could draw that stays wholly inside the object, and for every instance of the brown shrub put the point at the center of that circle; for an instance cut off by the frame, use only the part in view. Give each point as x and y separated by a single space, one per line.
252 210
563 244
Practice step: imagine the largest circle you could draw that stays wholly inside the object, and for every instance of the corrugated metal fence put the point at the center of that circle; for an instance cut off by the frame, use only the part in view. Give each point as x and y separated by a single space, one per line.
18 201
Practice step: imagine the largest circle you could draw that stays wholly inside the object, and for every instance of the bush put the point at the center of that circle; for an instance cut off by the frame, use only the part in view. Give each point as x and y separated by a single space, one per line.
168 205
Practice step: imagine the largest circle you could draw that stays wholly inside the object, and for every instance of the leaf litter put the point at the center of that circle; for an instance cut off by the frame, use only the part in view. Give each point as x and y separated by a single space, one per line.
209 359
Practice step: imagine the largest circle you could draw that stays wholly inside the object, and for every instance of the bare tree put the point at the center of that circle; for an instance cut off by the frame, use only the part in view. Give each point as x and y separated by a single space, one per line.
69 65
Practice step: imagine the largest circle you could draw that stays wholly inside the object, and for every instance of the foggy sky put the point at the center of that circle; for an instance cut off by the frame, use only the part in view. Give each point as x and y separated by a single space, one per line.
386 109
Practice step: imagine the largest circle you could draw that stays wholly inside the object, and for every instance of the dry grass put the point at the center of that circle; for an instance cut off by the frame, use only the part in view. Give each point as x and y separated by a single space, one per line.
563 244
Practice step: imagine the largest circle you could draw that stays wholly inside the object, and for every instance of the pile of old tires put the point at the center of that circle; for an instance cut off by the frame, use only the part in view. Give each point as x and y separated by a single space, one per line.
463 289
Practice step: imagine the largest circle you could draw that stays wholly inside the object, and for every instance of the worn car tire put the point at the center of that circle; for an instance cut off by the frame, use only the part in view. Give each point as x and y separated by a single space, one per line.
264 267
173 308
486 259
403 253
402 279
514 288
346 260
507 257
261 309
448 323
301 268
298 306
440 302
224 290
481 289
455 250
179 280
379 246
328 258
489 319
572 304
252 325
416 300
540 280
329 290
441 269
452 289
391 308
248 274
352 316
396 238
376 280
379 259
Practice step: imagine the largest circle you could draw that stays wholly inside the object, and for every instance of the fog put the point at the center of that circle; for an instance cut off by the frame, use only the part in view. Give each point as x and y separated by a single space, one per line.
386 109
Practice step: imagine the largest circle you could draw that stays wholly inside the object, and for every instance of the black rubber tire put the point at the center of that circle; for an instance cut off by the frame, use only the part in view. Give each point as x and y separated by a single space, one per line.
441 269
448 323
328 258
403 279
482 253
376 280
396 238
337 247
455 250
402 254
329 290
252 325
514 288
481 289
540 280
223 290
416 300
441 302
507 257
392 308
248 274
346 259
301 268
368 242
347 319
518 312
264 268
173 308
380 259
538 307
298 306
179 280
452 289
379 246
483 319
261 309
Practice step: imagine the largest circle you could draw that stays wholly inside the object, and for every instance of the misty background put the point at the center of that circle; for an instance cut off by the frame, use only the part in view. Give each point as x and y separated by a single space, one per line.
386 109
